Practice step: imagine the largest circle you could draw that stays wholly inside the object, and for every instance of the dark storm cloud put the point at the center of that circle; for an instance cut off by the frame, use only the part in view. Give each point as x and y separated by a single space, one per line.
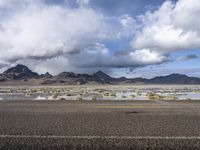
187 57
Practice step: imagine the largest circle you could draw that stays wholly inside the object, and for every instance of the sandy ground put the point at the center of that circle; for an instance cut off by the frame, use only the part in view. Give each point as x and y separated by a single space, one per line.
99 125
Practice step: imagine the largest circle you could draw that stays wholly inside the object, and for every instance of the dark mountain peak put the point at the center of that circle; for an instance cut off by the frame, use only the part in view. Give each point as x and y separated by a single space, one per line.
177 75
46 75
175 78
19 72
102 75
21 66
66 75
173 75
72 78
17 69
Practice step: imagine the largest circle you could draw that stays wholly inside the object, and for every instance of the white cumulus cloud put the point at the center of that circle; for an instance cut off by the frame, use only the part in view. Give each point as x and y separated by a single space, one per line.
64 36
41 30
173 27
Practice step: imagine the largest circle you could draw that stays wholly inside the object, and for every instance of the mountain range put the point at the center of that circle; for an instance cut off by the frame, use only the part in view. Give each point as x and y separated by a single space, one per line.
22 75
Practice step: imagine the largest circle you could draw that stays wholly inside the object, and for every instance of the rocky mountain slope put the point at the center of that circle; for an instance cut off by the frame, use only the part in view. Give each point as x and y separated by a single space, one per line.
21 74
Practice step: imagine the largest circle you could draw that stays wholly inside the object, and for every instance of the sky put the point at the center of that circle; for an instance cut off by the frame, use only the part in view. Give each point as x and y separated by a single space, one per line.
132 38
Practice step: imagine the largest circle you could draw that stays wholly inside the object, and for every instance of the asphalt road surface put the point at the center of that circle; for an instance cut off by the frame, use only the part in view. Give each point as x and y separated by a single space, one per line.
60 125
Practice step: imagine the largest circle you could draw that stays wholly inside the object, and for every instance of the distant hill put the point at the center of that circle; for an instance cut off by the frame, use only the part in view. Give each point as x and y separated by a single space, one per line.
20 74
46 75
104 77
175 79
